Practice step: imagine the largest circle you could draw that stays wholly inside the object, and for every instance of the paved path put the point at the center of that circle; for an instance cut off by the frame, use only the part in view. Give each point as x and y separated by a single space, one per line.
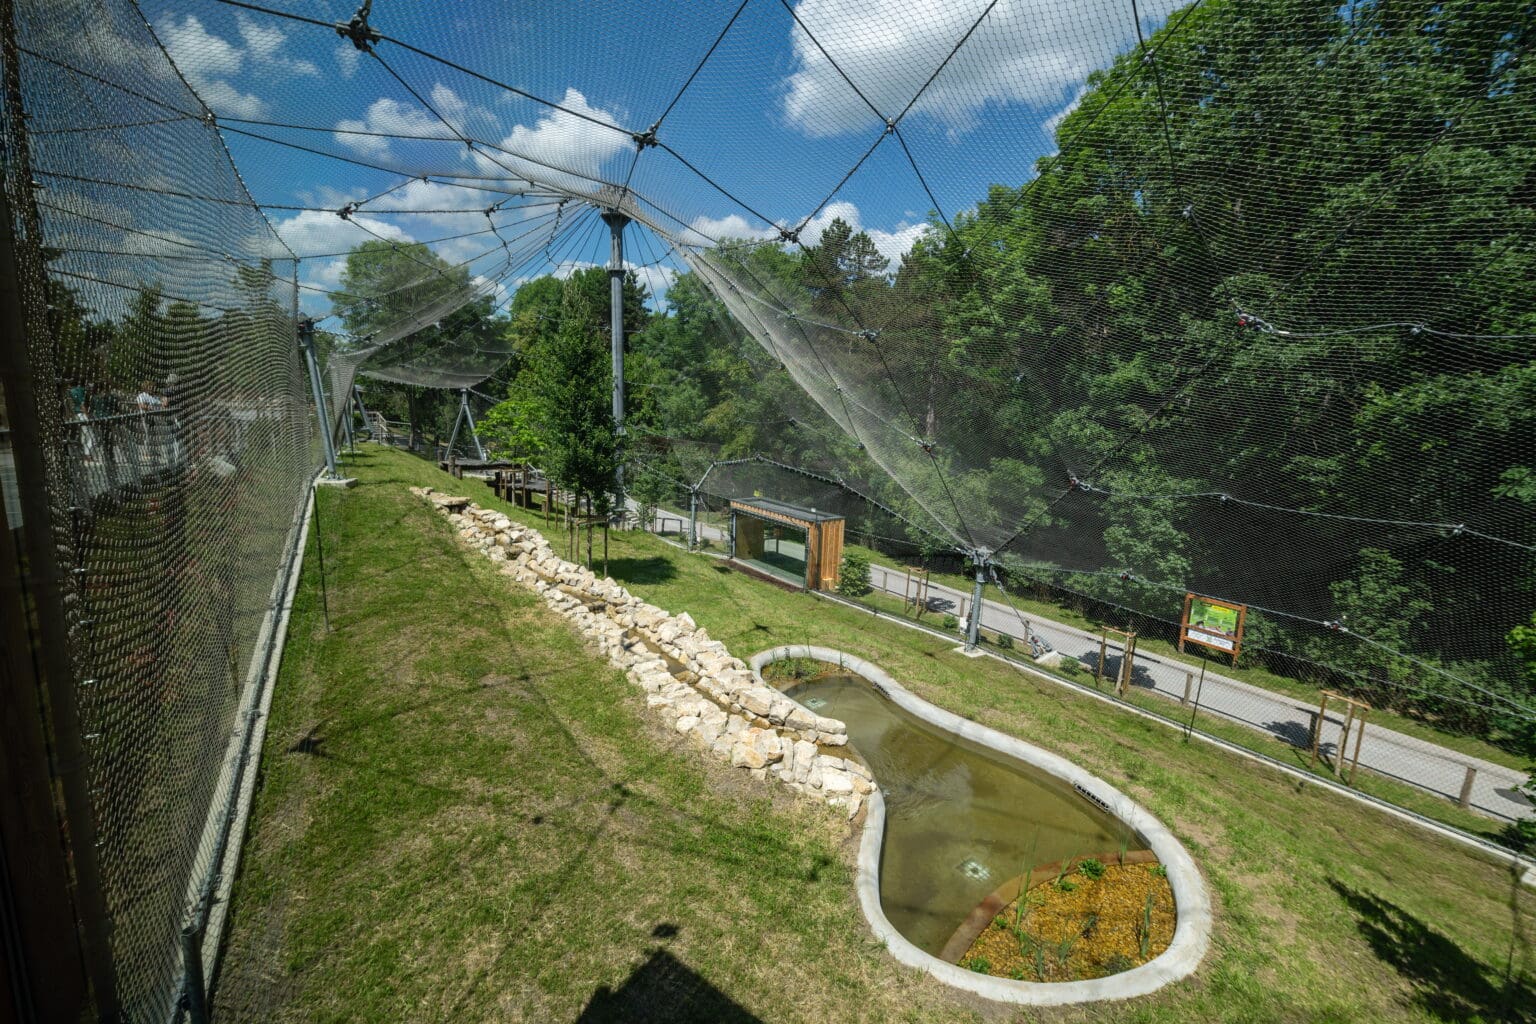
1406 758
1420 762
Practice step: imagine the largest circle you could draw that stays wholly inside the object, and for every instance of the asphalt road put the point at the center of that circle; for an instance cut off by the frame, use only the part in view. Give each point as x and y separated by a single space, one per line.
1406 758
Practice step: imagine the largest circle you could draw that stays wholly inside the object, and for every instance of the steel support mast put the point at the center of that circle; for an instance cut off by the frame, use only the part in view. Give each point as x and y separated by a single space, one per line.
616 222
307 346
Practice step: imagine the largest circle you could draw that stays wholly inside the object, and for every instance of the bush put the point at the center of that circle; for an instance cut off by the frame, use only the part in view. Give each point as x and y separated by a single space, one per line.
1521 835
950 622
1004 642
853 575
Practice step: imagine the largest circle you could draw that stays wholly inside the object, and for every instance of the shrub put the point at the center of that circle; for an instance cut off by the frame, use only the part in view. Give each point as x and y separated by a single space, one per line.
1521 835
950 622
1004 642
1092 868
1070 667
853 575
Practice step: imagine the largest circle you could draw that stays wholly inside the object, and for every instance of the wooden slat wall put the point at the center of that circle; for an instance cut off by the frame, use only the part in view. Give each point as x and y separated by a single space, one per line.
831 552
823 543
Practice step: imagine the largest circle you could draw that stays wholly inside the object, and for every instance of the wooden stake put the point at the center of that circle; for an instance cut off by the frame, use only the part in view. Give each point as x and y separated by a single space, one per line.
1359 735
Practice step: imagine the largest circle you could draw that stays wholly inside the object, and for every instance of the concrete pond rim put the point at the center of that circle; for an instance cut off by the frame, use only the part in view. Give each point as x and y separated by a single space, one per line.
1193 918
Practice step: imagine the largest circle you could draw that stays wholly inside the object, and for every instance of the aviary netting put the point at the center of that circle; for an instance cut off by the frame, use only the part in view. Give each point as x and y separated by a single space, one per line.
1130 299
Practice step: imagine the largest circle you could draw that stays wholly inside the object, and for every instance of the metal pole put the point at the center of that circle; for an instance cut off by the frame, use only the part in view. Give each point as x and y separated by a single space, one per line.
357 396
1199 689
616 222
307 346
693 517
973 627
346 427
325 599
474 435
458 418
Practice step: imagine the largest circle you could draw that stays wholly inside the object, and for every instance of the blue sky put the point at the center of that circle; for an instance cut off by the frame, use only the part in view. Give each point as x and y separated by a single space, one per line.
768 118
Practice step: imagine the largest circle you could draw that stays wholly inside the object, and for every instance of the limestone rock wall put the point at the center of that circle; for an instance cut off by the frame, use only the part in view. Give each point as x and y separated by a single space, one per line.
691 680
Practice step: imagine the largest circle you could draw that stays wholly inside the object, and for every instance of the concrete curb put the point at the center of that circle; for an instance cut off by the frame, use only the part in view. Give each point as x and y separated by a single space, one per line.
1192 931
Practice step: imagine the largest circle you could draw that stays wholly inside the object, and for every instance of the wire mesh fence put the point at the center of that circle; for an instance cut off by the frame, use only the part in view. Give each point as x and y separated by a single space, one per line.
1269 703
178 442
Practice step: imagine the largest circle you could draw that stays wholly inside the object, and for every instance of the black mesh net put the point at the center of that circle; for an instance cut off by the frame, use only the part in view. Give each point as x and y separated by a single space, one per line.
179 442
1119 301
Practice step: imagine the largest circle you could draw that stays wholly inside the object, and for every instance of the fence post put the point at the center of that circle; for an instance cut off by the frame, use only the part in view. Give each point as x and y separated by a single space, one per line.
192 966
1189 683
1464 801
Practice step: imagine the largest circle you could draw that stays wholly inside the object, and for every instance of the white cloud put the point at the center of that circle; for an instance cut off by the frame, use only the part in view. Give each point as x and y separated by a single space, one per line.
223 98
706 231
347 59
264 43
1049 125
1020 52
199 54
446 100
210 62
318 232
893 245
387 116
560 142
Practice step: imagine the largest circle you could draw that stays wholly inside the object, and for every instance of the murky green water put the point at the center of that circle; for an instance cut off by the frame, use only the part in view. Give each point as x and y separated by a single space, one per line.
960 819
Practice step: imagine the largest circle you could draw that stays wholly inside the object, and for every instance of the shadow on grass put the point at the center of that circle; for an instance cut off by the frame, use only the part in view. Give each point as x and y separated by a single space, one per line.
642 570
663 989
1446 981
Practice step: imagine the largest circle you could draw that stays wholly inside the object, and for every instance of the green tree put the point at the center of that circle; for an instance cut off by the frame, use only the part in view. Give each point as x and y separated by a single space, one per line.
572 385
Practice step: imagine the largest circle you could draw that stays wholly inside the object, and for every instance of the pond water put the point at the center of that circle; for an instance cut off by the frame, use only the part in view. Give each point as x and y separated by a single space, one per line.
961 819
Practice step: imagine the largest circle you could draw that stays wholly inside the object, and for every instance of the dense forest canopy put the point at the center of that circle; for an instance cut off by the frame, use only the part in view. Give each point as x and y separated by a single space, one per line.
1249 332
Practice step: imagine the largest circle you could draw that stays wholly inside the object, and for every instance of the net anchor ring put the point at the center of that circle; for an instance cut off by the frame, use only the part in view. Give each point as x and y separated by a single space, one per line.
646 139
362 34
1255 323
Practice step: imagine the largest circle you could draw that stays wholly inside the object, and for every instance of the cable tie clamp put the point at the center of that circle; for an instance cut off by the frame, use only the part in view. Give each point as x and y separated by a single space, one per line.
869 334
890 126
789 236
346 212
362 34
209 119
646 139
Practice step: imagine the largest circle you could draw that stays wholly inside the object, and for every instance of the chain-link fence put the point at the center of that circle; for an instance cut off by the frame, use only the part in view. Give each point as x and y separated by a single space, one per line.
176 443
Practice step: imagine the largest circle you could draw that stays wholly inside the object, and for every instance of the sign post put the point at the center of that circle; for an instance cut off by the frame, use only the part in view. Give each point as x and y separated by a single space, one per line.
1212 623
